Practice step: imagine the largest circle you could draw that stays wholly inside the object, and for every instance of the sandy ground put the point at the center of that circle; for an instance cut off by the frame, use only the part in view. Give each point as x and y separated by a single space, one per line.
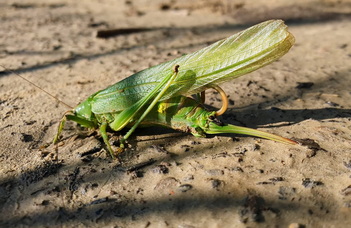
170 179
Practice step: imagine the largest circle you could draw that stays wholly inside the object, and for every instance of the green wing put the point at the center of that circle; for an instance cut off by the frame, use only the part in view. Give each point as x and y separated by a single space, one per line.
226 59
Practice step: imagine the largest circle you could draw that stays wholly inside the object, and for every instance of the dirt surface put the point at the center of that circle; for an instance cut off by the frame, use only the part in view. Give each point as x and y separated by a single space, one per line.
170 179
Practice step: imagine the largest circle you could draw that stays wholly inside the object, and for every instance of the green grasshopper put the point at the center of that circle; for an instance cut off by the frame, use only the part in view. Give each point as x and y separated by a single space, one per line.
137 99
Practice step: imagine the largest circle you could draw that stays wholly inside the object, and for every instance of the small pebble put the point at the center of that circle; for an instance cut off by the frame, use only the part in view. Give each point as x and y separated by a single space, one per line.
214 172
161 169
185 187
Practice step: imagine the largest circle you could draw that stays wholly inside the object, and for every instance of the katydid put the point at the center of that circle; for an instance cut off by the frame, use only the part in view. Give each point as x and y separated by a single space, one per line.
132 101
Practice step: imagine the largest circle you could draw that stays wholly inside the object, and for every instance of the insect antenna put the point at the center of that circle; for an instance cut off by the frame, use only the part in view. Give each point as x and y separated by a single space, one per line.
36 86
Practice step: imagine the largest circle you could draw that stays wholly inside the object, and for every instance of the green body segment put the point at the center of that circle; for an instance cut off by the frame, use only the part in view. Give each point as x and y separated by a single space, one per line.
180 113
188 115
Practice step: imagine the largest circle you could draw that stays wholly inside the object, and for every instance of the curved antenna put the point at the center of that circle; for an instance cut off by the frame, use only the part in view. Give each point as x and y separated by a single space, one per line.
224 100
224 97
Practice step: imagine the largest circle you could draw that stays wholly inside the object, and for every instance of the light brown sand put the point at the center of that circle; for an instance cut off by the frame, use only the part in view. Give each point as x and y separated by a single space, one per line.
220 181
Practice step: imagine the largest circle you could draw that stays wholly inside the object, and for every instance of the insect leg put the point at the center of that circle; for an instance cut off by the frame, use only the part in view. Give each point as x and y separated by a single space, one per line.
60 127
126 116
104 136
59 130
153 103
202 96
